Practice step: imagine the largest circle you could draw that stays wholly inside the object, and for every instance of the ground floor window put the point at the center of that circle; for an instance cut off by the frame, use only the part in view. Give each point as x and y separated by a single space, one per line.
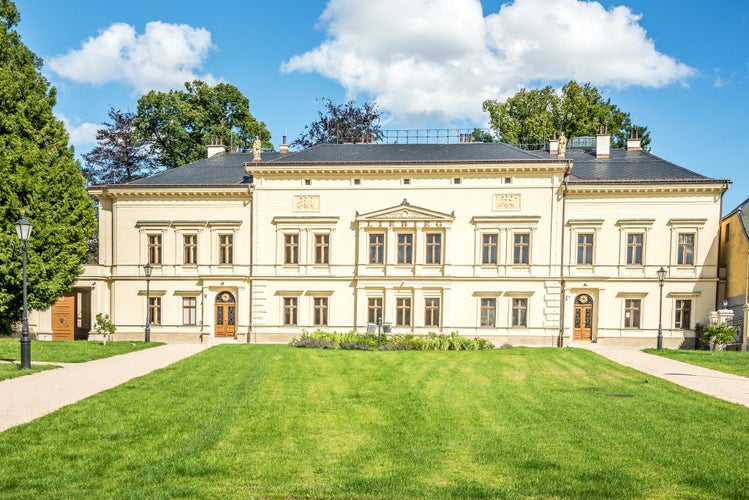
632 313
683 316
189 310
320 311
290 310
432 311
403 311
520 312
154 310
374 309
488 311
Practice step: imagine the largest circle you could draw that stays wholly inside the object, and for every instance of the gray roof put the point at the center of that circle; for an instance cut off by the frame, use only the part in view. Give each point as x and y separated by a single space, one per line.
622 166
742 212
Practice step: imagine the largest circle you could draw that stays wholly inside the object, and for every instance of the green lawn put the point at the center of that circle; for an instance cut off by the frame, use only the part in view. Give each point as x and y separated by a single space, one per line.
735 362
277 422
12 370
58 351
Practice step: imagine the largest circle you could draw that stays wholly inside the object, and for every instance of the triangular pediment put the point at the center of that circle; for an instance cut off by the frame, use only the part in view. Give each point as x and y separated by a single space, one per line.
406 211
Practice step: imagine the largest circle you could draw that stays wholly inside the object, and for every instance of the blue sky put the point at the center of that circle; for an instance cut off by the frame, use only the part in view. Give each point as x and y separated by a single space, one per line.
681 68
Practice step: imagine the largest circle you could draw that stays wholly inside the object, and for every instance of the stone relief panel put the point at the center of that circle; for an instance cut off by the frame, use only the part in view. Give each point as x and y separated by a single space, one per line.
307 203
506 202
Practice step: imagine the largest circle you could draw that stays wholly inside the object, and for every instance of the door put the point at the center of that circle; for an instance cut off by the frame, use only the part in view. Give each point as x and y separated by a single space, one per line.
63 314
225 315
583 318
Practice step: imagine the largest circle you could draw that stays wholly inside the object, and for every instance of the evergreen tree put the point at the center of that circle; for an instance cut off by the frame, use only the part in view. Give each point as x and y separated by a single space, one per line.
39 179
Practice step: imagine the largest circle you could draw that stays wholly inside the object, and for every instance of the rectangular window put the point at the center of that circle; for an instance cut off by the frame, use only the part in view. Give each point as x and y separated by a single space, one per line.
520 312
377 248
521 248
434 248
191 248
405 248
632 313
683 317
489 247
322 249
154 248
585 248
634 249
374 309
226 249
488 312
189 310
728 232
685 252
154 310
291 248
403 311
320 311
290 311
432 311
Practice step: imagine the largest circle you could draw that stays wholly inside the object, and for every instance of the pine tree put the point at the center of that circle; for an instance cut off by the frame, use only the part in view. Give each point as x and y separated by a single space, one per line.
39 179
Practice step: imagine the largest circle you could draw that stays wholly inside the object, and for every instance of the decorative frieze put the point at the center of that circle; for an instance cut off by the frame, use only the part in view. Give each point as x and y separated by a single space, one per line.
506 201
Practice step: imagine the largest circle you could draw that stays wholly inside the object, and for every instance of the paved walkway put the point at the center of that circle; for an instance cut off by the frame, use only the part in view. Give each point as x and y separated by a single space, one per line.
733 388
23 399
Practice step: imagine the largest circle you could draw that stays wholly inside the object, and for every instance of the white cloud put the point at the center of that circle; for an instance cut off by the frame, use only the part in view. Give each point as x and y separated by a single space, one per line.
165 56
81 136
427 60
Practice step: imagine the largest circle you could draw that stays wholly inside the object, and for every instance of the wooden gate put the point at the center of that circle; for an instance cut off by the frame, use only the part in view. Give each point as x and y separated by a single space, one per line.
226 308
63 316
583 318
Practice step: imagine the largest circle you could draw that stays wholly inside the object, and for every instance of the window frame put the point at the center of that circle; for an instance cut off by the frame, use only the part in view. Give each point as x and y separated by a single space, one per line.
320 311
154 248
492 257
404 248
488 310
290 315
375 305
685 251
433 312
633 307
291 249
154 310
635 250
376 248
433 249
519 315
584 249
321 249
190 249
190 311
403 311
680 311
524 247
226 248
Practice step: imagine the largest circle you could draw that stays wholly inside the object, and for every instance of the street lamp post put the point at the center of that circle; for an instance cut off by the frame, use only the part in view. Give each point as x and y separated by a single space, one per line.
147 269
23 231
661 278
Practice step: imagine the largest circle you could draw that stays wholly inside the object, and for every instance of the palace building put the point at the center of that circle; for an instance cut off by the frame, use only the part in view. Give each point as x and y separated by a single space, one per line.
520 247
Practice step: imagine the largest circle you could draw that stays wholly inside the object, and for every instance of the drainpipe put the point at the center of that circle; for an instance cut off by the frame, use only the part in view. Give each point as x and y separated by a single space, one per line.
720 247
562 282
252 253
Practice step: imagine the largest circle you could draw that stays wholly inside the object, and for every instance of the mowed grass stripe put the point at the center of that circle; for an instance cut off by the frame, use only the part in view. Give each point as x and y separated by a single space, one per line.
278 422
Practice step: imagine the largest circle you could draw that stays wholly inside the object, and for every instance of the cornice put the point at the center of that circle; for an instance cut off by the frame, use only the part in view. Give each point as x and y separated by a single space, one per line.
645 188
176 191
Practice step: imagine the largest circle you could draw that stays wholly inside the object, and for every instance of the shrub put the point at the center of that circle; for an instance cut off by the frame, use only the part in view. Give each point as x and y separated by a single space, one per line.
718 335
408 342
104 326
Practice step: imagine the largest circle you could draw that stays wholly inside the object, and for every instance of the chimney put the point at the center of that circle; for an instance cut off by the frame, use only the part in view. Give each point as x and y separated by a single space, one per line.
634 143
603 142
554 144
283 148
215 147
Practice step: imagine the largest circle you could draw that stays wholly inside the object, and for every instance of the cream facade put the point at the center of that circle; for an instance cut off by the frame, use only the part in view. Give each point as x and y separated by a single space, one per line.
537 248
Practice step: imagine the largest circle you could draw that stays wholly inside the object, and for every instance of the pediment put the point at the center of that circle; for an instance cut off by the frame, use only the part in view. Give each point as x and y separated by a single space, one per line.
405 211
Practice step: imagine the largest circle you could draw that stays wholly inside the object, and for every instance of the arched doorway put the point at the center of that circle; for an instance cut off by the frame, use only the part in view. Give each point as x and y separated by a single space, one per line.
583 318
226 307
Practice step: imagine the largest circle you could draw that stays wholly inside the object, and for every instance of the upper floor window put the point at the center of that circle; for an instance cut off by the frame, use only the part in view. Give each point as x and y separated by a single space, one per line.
585 248
226 249
521 248
632 309
634 248
685 249
489 247
190 248
154 248
488 311
377 248
520 312
291 248
322 249
405 248
434 248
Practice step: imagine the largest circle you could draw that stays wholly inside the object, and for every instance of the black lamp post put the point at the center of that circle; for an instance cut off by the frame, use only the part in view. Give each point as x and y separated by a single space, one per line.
147 269
661 278
23 231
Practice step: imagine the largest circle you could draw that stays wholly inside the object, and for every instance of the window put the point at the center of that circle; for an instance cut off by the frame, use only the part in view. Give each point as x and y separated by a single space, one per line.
290 311
508 180
374 309
154 248
322 249
405 248
432 311
488 312
291 248
357 182
189 310
456 180
685 252
377 248
154 310
226 249
521 248
520 312
489 246
434 248
320 311
632 313
585 248
406 181
307 182
683 317
191 248
634 249
403 311
727 231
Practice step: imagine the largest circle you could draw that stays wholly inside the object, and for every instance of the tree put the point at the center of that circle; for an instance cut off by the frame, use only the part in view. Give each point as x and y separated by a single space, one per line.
341 123
178 124
39 179
530 117
119 156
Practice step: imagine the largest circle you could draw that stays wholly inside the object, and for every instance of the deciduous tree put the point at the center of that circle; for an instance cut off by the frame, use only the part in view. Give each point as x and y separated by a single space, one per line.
179 124
339 123
39 179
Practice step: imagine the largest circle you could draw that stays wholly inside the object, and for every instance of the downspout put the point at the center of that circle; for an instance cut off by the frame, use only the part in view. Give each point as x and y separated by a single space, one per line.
252 253
562 282
720 247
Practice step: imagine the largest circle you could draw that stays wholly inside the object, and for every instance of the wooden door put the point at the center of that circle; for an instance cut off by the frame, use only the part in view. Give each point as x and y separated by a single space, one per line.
63 316
583 318
225 315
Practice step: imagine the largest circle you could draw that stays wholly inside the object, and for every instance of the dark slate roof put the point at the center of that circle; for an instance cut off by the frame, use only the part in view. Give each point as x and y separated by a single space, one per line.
742 212
227 168
623 165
